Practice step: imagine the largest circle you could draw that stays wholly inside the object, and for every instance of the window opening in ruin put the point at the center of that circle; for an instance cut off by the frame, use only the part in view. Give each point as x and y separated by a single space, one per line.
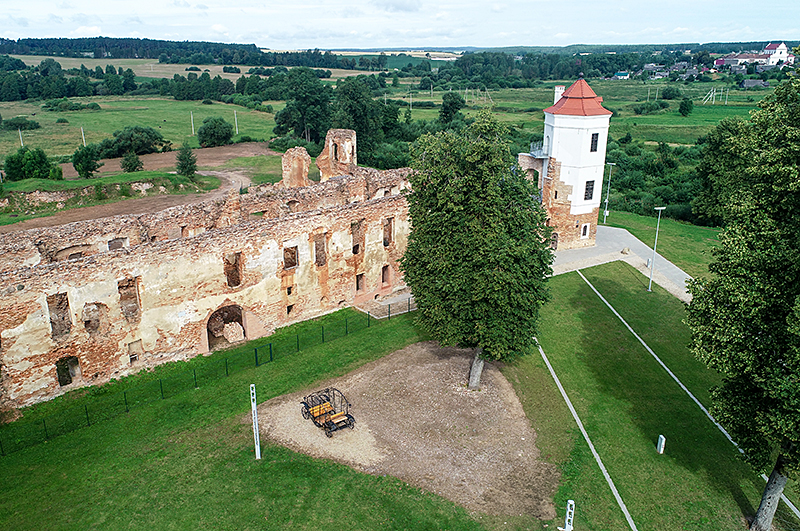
555 195
320 256
294 206
233 269
336 153
135 351
289 257
289 309
117 243
357 234
387 193
226 327
75 256
360 282
388 231
67 370
60 321
554 241
184 231
595 139
385 275
589 192
174 233
585 230
289 290
356 249
129 297
92 313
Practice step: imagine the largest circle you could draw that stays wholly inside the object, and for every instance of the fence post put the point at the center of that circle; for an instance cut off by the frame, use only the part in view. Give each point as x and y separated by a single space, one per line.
45 429
226 366
194 371
323 333
256 349
367 319
86 409
345 326
409 304
161 385
390 313
125 397
270 352
2 452
298 342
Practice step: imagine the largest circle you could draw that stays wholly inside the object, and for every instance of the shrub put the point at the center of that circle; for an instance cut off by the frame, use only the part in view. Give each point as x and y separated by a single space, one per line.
21 123
131 162
686 107
186 162
140 140
287 142
85 160
215 131
207 102
27 164
93 106
671 93
62 121
56 173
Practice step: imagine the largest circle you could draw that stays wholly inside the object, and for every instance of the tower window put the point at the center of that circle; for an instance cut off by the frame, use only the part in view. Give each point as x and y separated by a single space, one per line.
320 256
289 257
360 282
589 193
595 139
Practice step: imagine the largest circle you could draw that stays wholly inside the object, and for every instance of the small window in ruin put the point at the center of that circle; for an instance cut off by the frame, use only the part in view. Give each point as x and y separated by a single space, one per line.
595 139
135 351
320 255
67 370
589 192
60 320
174 232
356 249
75 256
232 263
585 230
289 309
289 290
91 317
336 153
357 234
129 297
387 193
554 241
385 275
360 282
388 231
555 195
294 206
289 257
117 243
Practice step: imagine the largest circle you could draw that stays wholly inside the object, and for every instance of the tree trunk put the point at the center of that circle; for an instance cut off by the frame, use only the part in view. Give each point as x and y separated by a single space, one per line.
476 371
770 499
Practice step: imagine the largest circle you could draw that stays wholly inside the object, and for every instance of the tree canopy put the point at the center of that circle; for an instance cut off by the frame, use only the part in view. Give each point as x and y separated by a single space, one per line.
477 257
745 320
215 131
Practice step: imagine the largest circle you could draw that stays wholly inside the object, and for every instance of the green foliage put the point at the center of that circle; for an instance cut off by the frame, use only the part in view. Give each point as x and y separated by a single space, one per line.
215 131
686 107
21 123
477 256
452 103
27 164
355 109
307 111
131 162
56 173
650 107
186 162
62 121
671 92
137 139
288 142
746 320
86 160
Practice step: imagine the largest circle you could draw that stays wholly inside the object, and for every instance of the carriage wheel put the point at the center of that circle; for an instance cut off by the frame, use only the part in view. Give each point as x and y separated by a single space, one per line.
304 411
351 423
328 433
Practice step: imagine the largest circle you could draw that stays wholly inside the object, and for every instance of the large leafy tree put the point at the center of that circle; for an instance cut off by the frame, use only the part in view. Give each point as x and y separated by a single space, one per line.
86 161
355 109
186 162
215 131
745 320
477 257
307 111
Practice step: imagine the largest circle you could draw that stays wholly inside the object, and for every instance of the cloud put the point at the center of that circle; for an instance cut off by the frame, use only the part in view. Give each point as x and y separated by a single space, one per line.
85 20
498 7
87 31
54 19
181 3
395 6
134 20
219 28
201 6
64 5
21 21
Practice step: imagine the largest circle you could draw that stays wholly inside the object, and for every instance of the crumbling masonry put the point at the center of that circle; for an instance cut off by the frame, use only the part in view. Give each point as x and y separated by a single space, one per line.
89 301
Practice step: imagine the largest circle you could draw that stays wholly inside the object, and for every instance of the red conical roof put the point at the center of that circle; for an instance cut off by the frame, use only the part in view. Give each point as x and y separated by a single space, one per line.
579 100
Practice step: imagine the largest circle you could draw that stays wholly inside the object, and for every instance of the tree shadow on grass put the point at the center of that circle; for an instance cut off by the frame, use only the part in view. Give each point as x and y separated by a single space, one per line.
626 373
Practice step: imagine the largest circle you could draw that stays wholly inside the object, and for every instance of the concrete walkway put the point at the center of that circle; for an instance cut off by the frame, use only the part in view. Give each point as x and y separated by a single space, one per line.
619 244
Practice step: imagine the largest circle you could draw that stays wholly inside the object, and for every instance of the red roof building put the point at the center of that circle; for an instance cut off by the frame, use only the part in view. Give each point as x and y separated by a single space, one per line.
579 100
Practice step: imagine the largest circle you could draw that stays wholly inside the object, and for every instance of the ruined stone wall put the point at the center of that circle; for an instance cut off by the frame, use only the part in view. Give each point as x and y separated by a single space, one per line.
155 300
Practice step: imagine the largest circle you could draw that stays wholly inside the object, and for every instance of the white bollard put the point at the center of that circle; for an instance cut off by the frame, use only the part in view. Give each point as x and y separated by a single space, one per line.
569 517
661 442
255 420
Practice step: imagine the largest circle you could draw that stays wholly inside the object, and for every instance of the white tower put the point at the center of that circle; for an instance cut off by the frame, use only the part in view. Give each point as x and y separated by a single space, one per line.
570 164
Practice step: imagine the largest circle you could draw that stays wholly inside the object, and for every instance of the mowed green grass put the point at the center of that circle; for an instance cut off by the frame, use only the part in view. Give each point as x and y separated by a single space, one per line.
626 400
188 463
171 118
685 245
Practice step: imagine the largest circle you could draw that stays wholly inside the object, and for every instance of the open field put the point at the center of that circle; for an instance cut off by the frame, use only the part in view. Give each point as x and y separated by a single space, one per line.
187 461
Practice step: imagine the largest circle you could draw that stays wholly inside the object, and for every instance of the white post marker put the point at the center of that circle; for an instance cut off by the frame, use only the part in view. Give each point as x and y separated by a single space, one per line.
570 515
653 263
661 442
84 137
20 138
255 420
236 121
191 113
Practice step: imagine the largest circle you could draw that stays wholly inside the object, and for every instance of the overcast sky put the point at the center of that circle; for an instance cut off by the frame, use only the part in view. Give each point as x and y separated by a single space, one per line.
331 24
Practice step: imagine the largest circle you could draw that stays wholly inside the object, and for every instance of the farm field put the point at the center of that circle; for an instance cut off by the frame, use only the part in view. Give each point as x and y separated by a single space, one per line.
188 461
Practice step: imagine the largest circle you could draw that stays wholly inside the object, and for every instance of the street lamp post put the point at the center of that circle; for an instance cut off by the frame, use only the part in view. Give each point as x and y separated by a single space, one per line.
608 189
653 262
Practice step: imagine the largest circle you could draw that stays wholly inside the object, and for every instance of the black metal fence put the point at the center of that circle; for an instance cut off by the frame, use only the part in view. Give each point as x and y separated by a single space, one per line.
104 405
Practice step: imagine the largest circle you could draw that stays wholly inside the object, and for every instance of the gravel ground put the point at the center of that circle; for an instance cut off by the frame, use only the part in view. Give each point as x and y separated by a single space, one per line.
416 420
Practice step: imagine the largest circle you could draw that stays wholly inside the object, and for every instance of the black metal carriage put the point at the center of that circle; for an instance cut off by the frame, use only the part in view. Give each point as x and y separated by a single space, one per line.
329 410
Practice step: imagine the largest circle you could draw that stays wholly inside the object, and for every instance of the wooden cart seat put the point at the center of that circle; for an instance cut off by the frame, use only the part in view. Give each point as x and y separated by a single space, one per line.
339 417
322 409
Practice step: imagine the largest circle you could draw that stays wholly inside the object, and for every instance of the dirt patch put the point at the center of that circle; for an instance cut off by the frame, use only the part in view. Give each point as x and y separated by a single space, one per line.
416 420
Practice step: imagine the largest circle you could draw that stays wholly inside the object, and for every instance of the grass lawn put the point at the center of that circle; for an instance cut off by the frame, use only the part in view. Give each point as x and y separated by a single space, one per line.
685 245
266 169
626 401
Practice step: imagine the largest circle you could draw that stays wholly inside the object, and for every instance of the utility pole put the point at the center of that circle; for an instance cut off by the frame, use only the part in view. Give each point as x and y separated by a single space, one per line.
653 263
608 189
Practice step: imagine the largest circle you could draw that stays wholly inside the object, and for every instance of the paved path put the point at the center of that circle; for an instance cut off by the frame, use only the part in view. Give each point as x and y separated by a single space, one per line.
611 245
